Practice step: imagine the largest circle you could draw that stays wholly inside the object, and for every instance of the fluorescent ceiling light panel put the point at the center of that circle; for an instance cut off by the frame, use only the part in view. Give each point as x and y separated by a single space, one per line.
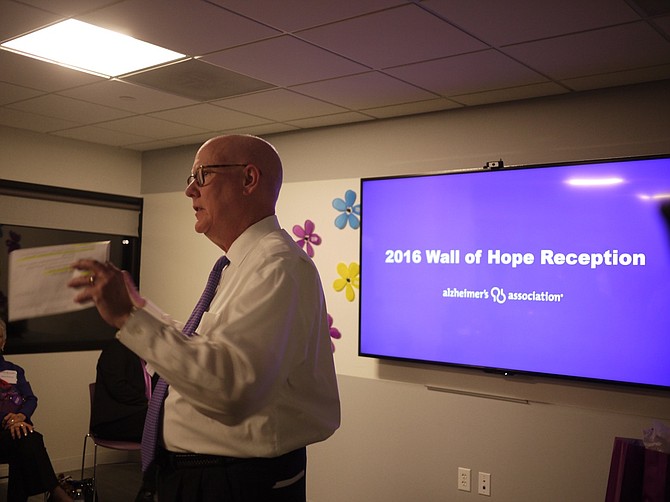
89 48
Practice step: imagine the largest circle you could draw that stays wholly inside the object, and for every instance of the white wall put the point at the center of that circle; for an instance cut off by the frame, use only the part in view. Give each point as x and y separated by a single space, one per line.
399 441
49 160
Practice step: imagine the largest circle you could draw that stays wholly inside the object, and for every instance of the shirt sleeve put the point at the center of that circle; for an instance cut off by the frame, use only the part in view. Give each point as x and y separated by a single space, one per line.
243 350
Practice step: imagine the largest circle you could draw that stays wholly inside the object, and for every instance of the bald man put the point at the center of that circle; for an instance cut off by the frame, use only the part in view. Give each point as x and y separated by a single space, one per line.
256 383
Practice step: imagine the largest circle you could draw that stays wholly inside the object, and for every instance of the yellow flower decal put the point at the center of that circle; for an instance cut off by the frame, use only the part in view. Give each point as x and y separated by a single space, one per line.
348 280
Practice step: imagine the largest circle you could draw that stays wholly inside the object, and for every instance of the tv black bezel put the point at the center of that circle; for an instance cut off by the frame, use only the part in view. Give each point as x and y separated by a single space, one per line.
499 371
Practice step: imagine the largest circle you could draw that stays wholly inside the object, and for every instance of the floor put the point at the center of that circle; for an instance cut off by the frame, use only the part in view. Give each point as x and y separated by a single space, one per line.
115 483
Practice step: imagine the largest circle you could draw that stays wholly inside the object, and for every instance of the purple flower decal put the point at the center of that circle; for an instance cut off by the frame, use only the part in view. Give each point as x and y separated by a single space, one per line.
307 237
350 211
334 332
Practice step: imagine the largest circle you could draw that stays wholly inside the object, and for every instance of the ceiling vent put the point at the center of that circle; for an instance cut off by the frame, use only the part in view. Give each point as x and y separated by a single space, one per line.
197 80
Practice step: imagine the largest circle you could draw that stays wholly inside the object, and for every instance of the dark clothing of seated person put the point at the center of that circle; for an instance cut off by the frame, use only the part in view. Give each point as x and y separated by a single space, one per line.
120 401
21 446
122 390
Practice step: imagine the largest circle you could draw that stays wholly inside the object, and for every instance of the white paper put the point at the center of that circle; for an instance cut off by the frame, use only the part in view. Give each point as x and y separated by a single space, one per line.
38 278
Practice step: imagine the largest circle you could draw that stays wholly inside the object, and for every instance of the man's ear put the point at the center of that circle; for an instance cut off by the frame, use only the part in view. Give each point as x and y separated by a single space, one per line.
252 178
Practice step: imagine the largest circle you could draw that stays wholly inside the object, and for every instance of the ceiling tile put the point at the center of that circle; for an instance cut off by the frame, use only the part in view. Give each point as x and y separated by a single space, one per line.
10 93
512 21
261 130
192 28
151 127
18 19
192 139
127 96
280 105
283 15
431 105
368 90
155 144
476 72
74 110
95 134
623 47
650 8
285 61
331 120
618 78
32 121
211 117
664 24
68 7
511 94
35 74
393 37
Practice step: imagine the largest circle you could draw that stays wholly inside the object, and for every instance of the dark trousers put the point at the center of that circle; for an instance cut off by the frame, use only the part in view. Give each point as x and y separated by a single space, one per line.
204 478
30 470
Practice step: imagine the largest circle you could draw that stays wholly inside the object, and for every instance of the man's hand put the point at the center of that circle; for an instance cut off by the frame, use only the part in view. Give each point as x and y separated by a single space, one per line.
111 289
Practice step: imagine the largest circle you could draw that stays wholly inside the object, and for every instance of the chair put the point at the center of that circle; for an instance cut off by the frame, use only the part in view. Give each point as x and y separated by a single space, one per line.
105 443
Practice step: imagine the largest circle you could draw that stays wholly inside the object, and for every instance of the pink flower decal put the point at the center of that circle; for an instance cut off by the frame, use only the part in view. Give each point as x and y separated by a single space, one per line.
334 332
307 237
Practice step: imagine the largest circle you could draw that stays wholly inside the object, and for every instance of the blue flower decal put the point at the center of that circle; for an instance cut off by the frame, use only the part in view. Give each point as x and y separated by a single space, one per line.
350 212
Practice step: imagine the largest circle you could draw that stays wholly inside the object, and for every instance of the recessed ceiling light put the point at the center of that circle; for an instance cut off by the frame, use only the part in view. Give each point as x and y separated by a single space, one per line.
89 48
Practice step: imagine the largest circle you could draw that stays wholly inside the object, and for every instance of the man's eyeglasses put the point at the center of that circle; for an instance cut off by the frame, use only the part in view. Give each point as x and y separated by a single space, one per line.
200 173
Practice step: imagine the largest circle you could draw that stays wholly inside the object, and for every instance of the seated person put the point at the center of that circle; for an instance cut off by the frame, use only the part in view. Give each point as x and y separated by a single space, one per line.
122 390
30 469
121 397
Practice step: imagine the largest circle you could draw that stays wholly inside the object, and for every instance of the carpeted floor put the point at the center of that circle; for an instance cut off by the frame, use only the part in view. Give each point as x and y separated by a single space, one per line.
115 482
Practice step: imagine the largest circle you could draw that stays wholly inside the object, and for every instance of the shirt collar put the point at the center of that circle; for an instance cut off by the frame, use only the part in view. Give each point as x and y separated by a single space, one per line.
247 241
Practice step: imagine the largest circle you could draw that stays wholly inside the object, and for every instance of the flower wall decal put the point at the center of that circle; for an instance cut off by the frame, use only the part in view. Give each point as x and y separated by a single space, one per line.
348 280
334 332
307 237
350 211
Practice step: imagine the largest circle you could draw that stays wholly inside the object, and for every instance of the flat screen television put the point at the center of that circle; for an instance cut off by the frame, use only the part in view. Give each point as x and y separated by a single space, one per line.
560 270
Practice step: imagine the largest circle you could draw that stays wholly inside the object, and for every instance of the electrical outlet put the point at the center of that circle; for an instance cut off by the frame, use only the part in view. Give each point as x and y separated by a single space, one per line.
464 479
484 484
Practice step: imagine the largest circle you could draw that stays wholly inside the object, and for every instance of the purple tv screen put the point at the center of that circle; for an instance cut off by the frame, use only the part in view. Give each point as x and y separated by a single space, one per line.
560 270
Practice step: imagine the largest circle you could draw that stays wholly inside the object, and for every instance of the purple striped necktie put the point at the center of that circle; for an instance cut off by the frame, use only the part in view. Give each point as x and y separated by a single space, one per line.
154 412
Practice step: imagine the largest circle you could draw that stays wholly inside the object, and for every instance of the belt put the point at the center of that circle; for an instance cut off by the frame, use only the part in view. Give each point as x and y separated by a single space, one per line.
195 460
184 460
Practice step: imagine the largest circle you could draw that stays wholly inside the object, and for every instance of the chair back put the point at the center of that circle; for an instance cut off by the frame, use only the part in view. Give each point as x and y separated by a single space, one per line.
91 397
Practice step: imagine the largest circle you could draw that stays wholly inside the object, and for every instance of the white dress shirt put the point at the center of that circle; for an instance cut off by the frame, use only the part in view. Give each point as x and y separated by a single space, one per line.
258 378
